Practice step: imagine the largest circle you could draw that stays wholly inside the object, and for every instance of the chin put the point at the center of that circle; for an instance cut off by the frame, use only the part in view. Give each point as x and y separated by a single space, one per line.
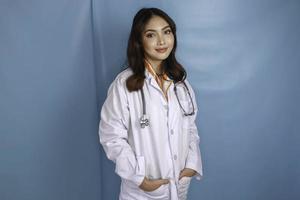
158 57
162 57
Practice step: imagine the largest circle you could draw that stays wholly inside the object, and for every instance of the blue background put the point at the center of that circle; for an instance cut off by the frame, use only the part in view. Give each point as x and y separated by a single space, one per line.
57 59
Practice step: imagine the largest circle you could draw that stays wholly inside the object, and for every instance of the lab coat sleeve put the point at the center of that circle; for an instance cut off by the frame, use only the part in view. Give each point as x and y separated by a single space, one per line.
194 160
113 134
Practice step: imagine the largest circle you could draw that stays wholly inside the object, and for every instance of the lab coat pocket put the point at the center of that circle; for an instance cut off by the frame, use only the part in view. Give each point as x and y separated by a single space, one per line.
161 193
183 187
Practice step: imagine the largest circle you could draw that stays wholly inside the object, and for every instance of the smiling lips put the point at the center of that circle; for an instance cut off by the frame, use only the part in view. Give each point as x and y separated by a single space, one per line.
162 50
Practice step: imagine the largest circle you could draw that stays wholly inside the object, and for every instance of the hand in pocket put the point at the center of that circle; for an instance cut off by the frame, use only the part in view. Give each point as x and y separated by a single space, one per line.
187 172
151 185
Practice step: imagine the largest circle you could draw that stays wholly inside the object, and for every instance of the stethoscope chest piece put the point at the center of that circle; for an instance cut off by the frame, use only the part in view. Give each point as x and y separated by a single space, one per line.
144 121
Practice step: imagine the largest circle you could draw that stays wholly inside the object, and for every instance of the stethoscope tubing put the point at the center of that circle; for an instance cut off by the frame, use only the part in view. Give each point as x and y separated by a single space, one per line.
144 121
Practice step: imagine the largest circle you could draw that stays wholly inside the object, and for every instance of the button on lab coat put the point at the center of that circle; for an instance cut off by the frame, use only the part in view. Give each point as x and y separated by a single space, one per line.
159 151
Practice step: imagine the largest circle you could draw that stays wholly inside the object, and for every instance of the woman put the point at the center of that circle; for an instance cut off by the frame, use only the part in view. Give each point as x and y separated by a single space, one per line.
147 124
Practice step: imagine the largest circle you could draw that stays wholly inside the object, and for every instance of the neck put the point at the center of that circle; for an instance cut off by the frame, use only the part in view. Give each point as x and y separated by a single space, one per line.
156 66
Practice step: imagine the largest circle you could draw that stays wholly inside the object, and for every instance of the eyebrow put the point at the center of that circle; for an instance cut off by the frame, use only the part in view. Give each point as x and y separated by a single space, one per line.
156 30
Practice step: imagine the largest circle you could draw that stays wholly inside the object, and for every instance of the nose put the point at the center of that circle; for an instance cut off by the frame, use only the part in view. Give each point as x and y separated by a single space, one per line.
161 40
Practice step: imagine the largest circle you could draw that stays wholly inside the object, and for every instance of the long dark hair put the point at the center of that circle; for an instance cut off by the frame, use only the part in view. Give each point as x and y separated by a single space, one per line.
135 50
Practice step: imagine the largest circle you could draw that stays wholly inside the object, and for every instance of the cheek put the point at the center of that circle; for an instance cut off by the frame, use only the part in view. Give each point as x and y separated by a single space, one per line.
147 50
171 41
148 45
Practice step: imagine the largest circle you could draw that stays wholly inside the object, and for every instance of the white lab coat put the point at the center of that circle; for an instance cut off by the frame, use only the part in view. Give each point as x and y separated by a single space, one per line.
159 151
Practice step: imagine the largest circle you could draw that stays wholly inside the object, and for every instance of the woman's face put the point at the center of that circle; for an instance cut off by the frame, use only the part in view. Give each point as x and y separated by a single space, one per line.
158 40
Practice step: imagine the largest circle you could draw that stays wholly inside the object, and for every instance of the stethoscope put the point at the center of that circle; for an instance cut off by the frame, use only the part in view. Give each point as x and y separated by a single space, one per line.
144 120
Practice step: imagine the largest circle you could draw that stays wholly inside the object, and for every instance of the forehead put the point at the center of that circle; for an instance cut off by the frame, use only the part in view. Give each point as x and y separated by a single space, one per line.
156 23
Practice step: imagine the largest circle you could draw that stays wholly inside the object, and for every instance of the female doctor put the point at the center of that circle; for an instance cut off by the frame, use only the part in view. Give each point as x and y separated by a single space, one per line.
147 125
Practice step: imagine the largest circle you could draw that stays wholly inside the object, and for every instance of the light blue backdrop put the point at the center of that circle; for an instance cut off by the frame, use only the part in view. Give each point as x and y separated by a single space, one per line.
57 59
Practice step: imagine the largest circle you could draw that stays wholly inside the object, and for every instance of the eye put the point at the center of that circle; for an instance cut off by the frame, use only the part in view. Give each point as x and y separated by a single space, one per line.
150 35
168 31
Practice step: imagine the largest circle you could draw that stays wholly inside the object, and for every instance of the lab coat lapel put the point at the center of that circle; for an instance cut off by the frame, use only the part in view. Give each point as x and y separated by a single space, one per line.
152 82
